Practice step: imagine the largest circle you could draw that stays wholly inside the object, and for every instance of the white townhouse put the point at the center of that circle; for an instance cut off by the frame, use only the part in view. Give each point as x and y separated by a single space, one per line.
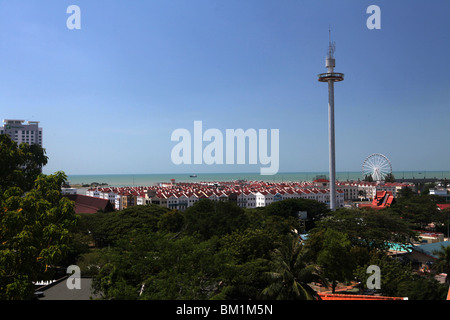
368 189
260 199
172 201
183 201
317 195
255 199
288 194
109 195
268 196
223 196
118 202
141 199
192 199
251 200
212 196
306 194
302 194
296 194
389 187
242 199
93 193
162 199
340 197
97 193
350 189
299 194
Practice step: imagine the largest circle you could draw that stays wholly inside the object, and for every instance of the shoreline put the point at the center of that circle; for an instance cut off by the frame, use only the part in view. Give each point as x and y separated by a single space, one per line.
121 180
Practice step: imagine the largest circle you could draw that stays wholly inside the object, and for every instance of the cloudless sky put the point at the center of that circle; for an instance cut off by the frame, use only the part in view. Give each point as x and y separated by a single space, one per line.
109 96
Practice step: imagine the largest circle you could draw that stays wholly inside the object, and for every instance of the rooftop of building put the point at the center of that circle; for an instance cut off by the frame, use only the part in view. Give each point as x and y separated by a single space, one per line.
430 248
343 296
18 121
86 204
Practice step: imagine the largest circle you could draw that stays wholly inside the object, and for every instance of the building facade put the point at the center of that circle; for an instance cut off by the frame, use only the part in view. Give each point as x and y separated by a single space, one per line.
20 132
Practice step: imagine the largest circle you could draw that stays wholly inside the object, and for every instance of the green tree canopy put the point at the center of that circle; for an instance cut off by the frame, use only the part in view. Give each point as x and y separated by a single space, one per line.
19 165
290 273
335 257
157 266
443 261
419 210
291 207
34 234
393 273
107 228
214 218
369 228
405 192
389 178
422 288
249 244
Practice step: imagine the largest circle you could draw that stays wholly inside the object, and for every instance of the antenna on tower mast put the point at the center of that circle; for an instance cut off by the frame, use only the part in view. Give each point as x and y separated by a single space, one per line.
331 45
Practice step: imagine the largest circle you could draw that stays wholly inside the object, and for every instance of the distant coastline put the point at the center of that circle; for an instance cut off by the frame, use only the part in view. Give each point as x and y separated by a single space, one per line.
121 180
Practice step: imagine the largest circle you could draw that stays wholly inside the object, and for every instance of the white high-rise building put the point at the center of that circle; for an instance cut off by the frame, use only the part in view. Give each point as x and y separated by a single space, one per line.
20 132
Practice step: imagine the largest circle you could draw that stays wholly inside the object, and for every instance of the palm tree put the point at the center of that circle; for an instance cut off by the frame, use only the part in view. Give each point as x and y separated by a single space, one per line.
291 274
443 261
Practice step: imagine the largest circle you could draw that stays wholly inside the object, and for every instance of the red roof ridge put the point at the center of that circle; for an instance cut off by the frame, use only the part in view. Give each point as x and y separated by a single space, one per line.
340 296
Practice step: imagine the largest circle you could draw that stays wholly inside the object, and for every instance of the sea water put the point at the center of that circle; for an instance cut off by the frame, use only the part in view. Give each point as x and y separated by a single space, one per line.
121 180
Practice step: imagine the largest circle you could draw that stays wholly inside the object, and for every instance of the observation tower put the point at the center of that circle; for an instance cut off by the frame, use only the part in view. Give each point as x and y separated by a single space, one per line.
331 77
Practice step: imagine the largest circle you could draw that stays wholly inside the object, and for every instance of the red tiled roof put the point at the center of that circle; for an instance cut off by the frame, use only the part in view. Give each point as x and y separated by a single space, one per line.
86 204
383 199
337 296
444 206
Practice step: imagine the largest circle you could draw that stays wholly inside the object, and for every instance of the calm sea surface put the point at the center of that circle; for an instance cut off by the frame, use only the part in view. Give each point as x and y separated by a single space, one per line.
120 180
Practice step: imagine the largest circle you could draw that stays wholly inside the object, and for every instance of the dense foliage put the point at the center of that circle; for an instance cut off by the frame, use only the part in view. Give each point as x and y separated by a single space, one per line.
216 250
35 220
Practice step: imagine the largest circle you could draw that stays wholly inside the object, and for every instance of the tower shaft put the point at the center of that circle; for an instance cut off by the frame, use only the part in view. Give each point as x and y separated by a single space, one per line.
332 155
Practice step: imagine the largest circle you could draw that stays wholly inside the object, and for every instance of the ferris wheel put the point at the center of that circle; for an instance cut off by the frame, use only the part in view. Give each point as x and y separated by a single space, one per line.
377 166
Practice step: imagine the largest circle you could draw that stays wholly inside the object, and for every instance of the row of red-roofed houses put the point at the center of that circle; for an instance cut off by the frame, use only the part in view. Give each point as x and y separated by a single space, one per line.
250 195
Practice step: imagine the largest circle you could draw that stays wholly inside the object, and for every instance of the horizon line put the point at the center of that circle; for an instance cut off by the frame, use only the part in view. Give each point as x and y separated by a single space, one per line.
257 173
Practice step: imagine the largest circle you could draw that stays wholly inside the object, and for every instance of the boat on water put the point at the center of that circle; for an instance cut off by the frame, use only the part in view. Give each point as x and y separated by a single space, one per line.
193 176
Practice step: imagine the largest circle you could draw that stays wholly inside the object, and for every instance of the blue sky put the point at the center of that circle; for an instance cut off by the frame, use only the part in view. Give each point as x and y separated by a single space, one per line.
109 95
